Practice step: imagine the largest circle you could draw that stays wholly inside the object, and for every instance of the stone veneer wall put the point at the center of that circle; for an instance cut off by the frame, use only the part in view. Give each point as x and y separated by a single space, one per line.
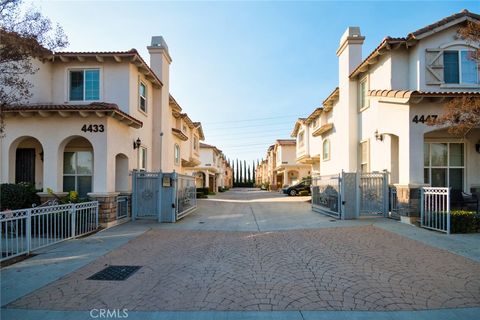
408 200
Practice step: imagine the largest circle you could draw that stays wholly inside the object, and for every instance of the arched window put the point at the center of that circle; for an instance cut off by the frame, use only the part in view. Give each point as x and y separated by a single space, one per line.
326 149
177 154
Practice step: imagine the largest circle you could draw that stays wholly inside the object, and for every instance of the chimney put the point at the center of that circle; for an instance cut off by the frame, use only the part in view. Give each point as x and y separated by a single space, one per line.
162 116
349 51
160 58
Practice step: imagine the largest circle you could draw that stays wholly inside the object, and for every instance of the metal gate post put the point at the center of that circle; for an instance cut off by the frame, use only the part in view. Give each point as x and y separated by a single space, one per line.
422 207
448 210
29 231
134 195
385 194
74 221
159 194
357 194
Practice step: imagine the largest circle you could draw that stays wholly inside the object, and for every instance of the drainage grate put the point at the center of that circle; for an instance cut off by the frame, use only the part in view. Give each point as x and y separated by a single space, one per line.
116 273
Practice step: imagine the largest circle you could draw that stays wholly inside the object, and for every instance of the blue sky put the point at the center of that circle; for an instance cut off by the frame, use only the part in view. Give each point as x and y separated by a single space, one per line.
246 70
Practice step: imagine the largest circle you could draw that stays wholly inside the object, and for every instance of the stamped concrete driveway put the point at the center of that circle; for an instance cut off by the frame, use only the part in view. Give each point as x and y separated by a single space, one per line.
249 250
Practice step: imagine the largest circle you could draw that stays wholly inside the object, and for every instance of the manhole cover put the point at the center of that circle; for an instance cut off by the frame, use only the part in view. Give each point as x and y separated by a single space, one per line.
117 273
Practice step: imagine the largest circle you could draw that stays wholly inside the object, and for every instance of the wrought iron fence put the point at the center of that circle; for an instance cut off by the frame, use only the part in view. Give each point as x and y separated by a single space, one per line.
435 209
373 197
393 211
122 207
185 195
24 230
326 195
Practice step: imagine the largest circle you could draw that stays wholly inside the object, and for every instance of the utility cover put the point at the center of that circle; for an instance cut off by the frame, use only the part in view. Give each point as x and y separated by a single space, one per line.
115 273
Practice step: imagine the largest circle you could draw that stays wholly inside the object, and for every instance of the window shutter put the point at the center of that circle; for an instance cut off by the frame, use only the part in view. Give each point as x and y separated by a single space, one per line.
434 66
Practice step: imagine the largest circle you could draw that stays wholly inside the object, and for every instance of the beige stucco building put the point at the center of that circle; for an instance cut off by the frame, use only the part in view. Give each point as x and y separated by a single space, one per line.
377 117
93 117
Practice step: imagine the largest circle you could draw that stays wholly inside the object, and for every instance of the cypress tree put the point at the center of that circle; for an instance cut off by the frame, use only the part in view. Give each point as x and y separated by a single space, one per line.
253 170
244 171
237 176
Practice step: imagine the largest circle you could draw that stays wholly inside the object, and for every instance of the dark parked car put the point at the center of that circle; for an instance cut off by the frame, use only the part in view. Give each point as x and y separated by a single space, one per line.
296 188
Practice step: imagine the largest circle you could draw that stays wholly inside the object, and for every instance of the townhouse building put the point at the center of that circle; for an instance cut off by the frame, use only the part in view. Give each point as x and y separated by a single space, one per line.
212 170
377 118
281 167
92 118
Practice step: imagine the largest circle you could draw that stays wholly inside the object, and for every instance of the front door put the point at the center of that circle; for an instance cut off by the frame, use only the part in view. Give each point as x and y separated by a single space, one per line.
25 165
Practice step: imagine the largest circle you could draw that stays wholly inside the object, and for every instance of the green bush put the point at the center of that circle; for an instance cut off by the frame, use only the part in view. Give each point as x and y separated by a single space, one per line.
304 193
205 191
462 221
211 193
17 196
201 195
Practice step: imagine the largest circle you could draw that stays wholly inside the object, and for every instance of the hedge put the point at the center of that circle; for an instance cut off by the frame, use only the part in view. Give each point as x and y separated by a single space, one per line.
462 221
18 196
304 193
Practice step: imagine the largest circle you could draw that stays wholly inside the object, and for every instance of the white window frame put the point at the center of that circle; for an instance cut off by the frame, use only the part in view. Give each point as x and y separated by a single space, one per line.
323 150
176 154
365 80
447 167
68 78
367 160
195 143
460 82
142 158
140 97
301 138
76 175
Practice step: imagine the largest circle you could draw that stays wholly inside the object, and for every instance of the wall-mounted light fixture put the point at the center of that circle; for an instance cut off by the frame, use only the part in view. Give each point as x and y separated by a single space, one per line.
137 144
378 136
477 146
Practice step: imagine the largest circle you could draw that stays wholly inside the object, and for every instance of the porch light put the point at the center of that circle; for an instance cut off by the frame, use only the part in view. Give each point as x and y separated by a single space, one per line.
137 144
378 136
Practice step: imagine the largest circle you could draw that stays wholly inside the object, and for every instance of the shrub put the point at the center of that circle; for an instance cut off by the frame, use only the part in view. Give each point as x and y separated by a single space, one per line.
203 190
211 193
201 195
462 221
221 189
18 196
304 193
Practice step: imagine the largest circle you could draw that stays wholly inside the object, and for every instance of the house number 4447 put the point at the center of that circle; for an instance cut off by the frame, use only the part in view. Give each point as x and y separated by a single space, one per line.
93 128
422 118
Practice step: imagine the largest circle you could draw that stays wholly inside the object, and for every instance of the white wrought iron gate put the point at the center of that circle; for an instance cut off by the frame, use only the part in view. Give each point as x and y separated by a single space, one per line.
146 194
373 189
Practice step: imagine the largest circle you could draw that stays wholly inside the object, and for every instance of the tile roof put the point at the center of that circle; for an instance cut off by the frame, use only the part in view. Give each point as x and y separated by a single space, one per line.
415 93
444 21
389 42
132 53
284 142
94 106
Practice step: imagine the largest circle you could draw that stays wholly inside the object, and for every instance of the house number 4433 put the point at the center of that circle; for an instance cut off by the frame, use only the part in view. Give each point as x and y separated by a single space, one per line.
93 128
422 118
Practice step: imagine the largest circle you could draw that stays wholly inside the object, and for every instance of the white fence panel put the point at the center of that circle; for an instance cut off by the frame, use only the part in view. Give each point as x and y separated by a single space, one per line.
435 209
185 195
24 230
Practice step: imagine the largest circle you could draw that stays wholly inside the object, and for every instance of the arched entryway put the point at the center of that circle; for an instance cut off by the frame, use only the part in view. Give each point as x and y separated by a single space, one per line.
200 180
293 176
26 161
121 173
77 174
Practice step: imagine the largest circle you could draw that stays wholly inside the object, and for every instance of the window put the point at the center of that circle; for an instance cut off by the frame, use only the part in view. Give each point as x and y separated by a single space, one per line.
184 128
142 93
444 165
78 172
326 150
177 154
195 143
460 67
300 138
365 156
85 85
142 158
314 123
362 94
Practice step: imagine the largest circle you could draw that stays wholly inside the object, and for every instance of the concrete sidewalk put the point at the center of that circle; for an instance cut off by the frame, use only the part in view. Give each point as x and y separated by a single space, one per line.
53 262
442 314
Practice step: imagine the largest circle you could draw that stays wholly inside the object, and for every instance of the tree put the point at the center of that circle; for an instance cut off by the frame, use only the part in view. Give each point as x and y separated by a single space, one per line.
241 173
237 175
248 174
23 36
245 171
462 114
253 171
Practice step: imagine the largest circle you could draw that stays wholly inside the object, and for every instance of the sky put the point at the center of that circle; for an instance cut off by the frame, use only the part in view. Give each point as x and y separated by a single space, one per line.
246 70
